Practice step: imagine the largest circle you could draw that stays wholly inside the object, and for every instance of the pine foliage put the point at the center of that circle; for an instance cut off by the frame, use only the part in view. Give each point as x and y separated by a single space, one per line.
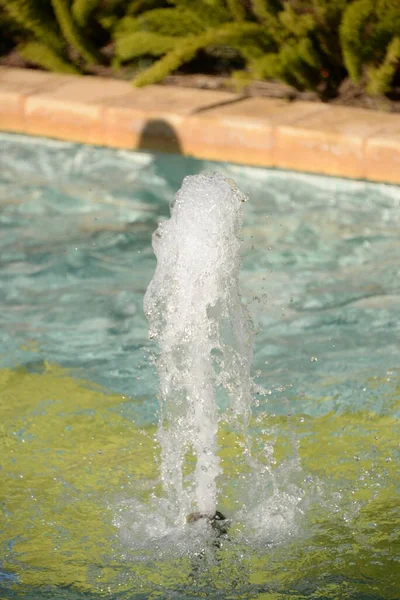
237 10
369 34
310 44
380 78
82 9
144 42
31 17
271 38
180 54
162 21
354 23
9 29
72 33
45 57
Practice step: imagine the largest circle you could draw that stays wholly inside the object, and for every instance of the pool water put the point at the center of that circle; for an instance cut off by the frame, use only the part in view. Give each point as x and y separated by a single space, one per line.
79 465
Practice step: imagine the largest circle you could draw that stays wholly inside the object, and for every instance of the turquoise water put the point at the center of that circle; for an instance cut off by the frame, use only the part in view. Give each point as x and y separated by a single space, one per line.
78 407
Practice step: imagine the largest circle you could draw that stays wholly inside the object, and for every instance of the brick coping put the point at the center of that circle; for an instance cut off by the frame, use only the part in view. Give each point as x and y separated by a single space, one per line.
204 124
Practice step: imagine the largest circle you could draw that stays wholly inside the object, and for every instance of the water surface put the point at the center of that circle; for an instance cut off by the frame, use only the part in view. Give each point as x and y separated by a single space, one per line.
79 492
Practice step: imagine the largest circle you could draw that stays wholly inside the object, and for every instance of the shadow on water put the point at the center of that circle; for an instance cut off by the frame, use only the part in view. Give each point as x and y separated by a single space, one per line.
160 138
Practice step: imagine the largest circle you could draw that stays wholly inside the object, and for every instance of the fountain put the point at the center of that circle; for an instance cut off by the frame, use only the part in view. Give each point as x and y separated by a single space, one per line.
205 337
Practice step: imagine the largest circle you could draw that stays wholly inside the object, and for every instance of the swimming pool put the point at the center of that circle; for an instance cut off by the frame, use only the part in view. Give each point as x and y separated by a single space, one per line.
78 409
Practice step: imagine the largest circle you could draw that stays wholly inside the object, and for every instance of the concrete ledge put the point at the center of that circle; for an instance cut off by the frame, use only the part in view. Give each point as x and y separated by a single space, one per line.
214 125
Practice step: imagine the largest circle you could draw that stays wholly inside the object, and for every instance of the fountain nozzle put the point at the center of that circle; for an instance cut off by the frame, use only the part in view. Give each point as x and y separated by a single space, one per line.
218 521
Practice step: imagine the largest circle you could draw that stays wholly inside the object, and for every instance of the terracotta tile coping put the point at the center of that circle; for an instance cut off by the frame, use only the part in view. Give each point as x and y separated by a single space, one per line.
212 125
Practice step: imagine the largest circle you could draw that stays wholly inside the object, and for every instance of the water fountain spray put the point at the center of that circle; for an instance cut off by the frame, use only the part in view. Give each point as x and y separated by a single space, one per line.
204 335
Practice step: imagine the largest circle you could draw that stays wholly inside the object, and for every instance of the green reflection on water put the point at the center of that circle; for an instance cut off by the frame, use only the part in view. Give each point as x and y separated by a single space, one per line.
67 454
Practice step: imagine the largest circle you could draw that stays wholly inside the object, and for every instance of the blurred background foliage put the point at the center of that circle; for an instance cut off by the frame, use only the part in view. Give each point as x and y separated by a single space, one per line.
316 45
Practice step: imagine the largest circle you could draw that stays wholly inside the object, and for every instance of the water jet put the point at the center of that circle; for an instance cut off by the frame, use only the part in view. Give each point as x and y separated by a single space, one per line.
205 337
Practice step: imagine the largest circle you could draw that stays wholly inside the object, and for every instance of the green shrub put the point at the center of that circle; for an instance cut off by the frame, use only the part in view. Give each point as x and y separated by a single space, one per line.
309 44
273 39
369 37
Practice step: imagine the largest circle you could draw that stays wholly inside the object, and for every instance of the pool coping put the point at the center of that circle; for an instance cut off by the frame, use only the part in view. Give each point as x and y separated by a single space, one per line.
205 124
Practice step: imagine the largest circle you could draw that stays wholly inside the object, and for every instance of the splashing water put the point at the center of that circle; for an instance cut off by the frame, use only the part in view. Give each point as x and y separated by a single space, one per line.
204 333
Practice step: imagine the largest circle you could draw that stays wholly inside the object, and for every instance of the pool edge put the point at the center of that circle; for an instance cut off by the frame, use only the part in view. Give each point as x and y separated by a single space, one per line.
211 125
